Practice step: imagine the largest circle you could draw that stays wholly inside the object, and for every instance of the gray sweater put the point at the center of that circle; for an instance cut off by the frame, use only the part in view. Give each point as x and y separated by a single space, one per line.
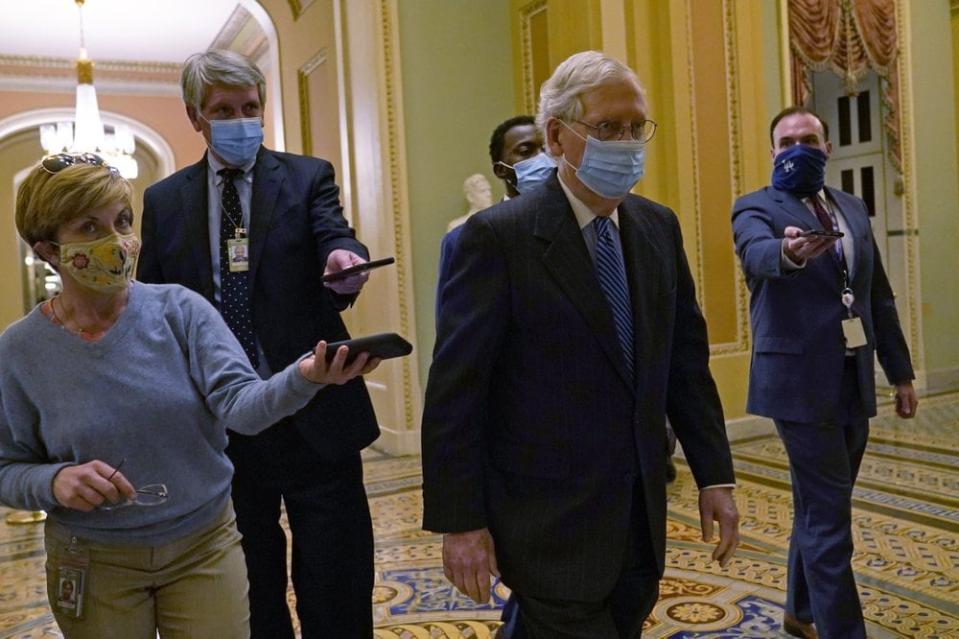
158 390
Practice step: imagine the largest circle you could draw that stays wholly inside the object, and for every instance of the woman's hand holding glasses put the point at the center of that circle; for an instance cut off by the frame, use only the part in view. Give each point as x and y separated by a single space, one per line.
88 486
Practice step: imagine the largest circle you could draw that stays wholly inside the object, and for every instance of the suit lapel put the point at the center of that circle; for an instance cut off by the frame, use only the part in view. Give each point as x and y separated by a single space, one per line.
643 264
195 208
568 261
794 208
267 182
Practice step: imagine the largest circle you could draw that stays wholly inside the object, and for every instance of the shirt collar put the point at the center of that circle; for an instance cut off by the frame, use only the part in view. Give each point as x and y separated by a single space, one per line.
215 167
584 216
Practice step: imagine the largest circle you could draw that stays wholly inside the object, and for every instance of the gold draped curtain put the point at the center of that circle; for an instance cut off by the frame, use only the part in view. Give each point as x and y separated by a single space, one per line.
849 38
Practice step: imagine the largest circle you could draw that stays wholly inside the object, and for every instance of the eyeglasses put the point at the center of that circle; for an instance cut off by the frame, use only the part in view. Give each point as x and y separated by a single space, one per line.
642 131
59 161
149 495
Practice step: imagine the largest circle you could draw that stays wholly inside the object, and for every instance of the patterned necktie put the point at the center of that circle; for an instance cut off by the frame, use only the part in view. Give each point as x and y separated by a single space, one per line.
612 279
235 304
828 222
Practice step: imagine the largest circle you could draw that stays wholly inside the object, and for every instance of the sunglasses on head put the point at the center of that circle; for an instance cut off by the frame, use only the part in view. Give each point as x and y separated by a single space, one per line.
59 161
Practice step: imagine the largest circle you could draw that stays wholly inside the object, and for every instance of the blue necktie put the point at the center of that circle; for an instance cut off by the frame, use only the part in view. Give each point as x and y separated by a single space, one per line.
612 279
235 303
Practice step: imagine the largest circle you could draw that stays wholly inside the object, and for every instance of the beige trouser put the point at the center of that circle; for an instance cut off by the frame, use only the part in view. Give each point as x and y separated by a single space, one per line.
193 588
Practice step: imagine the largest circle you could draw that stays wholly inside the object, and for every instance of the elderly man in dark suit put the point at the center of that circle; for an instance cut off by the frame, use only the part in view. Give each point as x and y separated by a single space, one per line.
821 308
569 330
283 211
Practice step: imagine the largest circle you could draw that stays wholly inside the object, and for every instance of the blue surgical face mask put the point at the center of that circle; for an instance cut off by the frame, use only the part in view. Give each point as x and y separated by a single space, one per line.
236 141
800 169
532 171
610 169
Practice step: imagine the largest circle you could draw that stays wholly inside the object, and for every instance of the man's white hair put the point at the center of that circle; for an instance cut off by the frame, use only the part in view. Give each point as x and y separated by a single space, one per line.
219 66
580 73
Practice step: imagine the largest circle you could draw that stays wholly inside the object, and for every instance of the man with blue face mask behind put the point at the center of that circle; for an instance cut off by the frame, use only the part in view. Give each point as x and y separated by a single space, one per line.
821 308
569 332
516 152
254 230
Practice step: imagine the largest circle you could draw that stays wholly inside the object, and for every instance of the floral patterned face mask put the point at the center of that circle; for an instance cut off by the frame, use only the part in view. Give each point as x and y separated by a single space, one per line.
106 265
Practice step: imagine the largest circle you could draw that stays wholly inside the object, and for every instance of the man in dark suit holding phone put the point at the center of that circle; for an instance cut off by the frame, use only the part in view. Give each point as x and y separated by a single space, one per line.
821 308
284 211
569 330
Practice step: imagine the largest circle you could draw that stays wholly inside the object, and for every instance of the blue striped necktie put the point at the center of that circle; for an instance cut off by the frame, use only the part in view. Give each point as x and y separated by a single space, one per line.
612 279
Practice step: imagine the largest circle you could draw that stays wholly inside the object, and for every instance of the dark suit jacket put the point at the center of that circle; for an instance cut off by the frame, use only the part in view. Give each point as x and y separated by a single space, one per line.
532 426
296 221
447 248
798 347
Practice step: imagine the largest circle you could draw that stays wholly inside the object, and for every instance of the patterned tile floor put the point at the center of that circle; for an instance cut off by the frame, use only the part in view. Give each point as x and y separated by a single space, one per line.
906 526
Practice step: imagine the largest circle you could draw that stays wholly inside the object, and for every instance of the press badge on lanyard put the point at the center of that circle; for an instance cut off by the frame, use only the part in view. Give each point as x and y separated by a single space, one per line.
71 578
852 329
238 252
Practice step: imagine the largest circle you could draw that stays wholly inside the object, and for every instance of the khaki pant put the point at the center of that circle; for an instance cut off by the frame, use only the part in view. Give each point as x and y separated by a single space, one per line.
193 588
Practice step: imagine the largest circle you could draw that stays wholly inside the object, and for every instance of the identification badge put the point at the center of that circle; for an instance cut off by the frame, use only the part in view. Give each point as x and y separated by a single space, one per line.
853 332
238 252
70 590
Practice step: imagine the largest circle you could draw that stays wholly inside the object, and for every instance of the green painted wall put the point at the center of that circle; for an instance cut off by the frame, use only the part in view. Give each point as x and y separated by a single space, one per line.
457 86
936 173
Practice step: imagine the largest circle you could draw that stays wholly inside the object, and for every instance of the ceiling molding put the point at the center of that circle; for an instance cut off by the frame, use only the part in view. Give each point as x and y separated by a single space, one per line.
243 34
115 77
104 87
46 67
231 28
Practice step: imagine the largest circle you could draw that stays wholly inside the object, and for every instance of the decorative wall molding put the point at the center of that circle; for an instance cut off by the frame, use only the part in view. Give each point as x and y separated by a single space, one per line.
399 202
242 33
303 86
377 145
119 71
910 217
730 43
526 43
694 155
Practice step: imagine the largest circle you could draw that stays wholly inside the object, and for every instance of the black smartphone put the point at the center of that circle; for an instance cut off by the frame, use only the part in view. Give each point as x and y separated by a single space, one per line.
359 268
381 345
818 233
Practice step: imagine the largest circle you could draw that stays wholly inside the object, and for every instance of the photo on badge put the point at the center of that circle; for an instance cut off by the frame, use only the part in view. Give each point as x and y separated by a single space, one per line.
70 590
238 254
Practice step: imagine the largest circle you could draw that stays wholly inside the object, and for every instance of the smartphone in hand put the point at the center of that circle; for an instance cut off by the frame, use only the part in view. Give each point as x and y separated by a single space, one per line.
382 346
359 268
815 233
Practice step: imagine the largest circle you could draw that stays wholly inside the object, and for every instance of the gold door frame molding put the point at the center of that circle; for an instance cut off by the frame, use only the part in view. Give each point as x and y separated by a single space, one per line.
379 191
740 345
526 14
910 220
303 85
730 43
396 154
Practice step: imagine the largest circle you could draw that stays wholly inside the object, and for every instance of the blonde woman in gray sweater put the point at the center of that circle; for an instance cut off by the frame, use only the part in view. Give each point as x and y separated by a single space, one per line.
115 397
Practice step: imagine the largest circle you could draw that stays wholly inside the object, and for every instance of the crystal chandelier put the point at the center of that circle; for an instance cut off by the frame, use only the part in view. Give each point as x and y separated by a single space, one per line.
86 133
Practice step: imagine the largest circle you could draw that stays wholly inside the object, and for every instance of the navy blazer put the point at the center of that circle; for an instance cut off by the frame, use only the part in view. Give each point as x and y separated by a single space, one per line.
798 347
295 222
532 425
447 248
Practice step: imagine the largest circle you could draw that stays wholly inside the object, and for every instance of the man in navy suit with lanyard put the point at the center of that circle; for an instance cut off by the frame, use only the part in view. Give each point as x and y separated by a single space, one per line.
254 231
821 307
569 330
